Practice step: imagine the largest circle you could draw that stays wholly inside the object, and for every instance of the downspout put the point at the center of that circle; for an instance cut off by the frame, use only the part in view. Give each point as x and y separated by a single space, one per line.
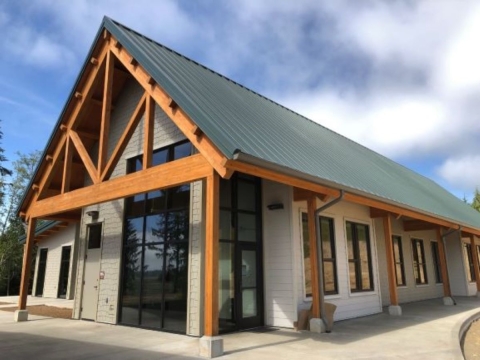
320 255
444 240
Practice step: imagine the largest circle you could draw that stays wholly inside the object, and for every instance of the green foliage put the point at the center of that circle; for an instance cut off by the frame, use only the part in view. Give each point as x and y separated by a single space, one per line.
11 228
476 200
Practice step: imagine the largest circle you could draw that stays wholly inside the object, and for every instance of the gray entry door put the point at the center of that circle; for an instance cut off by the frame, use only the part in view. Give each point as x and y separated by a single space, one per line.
92 272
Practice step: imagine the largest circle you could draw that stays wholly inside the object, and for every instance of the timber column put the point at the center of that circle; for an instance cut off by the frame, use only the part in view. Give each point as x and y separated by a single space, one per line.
447 293
394 308
211 345
476 264
22 313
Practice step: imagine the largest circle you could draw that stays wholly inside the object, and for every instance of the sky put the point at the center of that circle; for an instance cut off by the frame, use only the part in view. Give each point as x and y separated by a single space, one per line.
400 77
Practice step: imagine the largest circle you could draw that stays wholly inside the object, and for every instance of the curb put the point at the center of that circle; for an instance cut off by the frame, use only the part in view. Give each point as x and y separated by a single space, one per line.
459 331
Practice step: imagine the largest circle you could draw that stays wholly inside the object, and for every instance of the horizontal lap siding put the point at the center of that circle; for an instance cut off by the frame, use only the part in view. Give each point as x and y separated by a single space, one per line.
54 244
412 291
349 305
278 261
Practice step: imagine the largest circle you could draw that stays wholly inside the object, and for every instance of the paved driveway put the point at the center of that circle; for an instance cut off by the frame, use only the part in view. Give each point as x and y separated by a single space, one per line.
427 330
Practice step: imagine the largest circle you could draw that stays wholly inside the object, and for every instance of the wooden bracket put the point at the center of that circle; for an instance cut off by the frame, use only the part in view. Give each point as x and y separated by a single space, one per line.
49 158
63 127
133 62
197 131
94 61
35 187
118 45
151 81
78 95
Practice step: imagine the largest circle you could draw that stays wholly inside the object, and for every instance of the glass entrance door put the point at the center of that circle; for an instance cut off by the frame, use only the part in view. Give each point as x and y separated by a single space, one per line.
240 260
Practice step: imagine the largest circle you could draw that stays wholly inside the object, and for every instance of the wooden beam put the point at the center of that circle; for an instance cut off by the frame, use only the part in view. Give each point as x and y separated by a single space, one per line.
173 173
64 217
47 176
67 167
314 261
443 264
125 138
392 280
106 111
148 133
87 135
303 195
204 145
87 161
27 255
476 265
211 255
418 225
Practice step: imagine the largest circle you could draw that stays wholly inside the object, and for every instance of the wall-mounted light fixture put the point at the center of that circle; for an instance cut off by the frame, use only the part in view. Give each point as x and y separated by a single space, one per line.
93 214
276 206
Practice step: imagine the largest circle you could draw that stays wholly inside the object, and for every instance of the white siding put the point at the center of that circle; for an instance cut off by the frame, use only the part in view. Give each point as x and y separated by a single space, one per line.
54 244
410 292
280 309
349 305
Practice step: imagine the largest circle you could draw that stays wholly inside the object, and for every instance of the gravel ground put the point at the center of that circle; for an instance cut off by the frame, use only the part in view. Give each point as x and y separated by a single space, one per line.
471 342
44 310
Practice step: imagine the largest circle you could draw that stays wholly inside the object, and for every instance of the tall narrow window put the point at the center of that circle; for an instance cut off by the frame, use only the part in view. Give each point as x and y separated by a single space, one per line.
359 257
436 262
399 264
327 235
419 265
468 256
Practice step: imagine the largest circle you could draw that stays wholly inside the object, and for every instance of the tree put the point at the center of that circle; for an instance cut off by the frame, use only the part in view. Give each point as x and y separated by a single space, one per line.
11 228
3 171
476 200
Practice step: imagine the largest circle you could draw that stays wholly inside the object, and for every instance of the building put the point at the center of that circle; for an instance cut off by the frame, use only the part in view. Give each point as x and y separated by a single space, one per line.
198 206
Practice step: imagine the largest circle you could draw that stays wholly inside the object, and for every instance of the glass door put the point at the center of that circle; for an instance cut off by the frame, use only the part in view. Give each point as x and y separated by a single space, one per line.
240 260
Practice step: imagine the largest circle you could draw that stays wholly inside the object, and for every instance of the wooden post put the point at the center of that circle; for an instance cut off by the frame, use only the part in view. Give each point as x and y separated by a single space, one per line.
392 280
106 110
27 259
211 254
148 133
311 205
443 264
475 260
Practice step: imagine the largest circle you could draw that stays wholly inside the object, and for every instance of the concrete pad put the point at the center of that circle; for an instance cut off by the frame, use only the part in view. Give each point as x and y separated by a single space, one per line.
395 310
211 346
20 315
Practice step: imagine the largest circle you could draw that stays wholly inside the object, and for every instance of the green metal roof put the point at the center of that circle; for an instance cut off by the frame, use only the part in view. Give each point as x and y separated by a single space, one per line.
237 119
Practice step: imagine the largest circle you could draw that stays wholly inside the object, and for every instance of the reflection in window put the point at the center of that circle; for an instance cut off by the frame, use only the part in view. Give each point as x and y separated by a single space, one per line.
419 265
398 258
359 257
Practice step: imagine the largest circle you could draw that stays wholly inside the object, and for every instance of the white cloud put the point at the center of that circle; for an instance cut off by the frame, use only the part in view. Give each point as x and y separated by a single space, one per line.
464 171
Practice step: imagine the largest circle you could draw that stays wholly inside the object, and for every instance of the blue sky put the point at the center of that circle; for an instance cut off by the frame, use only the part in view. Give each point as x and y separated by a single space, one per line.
400 77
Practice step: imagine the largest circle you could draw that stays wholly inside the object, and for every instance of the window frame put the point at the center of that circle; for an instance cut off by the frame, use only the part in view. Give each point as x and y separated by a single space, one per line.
436 261
469 264
400 261
357 261
305 241
417 263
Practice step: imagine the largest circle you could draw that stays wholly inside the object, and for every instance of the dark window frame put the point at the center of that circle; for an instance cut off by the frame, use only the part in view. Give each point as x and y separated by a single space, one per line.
401 261
98 242
419 261
357 261
333 260
436 261
468 257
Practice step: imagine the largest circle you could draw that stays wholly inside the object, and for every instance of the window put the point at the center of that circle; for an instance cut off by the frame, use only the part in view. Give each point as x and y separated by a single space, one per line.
359 257
327 236
468 256
155 251
436 262
419 265
398 256
94 236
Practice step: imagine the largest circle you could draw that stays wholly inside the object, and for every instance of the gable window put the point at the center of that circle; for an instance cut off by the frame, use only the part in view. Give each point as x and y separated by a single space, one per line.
359 257
436 262
468 256
419 265
399 264
327 236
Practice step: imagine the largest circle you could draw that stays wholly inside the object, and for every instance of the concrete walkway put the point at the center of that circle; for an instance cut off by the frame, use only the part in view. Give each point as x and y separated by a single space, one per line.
427 330
33 300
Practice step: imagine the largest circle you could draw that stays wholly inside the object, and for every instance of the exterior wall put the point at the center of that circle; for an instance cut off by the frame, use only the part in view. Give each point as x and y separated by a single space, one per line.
279 279
111 214
54 244
410 292
349 305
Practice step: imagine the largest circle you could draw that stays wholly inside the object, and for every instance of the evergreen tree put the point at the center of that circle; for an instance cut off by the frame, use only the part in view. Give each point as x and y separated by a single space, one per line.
476 200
